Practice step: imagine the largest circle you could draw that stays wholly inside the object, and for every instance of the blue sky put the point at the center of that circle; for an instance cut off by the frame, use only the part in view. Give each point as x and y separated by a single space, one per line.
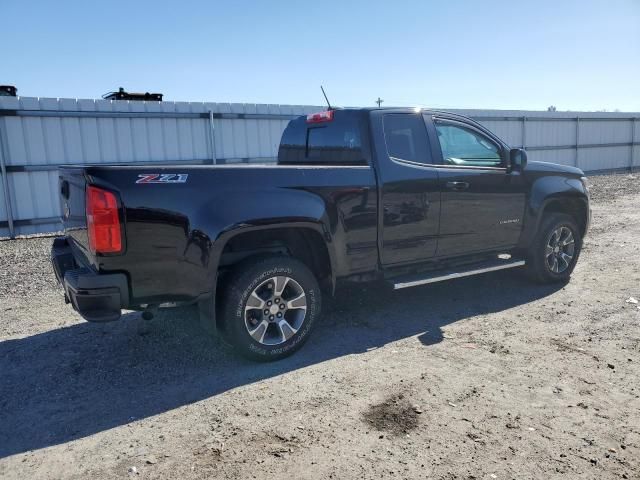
577 55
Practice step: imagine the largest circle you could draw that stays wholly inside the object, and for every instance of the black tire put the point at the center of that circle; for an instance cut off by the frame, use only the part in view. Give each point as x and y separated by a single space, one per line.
540 266
255 274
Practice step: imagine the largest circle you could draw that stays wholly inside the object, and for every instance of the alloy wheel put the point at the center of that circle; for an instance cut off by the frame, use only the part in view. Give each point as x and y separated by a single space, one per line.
275 310
560 250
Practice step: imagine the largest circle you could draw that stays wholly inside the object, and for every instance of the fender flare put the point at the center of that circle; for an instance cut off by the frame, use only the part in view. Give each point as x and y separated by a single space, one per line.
228 234
544 191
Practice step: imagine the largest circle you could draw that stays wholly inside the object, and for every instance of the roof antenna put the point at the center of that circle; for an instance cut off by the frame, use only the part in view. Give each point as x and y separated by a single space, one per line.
325 97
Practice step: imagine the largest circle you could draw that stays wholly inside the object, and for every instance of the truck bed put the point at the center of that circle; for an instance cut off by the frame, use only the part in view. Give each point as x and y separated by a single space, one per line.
173 216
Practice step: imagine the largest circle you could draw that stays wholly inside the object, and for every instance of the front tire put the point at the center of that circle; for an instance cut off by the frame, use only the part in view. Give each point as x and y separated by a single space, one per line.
270 307
554 252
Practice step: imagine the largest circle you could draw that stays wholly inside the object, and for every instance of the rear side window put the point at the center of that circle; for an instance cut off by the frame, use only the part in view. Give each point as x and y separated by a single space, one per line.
406 137
336 142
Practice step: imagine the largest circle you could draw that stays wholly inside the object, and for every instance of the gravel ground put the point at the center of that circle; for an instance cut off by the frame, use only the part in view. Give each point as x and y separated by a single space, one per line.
483 377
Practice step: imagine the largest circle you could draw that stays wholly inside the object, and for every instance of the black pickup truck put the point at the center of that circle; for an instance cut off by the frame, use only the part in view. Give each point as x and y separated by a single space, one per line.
406 196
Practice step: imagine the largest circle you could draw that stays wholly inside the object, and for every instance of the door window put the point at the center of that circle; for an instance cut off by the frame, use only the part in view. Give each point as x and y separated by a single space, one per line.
465 147
406 137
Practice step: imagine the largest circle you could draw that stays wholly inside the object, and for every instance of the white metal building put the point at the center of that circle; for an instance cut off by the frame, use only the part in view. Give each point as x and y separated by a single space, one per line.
38 134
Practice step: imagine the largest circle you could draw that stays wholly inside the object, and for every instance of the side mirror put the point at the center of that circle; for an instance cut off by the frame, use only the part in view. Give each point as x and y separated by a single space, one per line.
518 159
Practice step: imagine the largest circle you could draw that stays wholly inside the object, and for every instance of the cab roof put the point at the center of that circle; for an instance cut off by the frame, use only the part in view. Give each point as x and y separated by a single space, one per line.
428 111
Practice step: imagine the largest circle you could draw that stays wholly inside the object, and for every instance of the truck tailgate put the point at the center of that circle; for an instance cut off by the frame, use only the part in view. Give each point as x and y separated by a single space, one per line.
72 185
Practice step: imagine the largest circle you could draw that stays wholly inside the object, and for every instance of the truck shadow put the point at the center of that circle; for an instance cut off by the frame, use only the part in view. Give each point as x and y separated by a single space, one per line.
76 381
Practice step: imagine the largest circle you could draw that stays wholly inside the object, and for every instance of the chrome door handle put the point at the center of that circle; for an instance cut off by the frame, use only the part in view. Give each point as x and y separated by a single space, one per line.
457 185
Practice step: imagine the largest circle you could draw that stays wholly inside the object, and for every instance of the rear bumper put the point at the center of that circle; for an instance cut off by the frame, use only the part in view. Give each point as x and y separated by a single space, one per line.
98 297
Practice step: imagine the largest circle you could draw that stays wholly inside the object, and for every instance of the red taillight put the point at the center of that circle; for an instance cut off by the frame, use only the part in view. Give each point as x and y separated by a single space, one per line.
103 223
320 117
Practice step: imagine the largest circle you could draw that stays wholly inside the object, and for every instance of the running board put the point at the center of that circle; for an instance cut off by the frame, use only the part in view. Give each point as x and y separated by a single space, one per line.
459 272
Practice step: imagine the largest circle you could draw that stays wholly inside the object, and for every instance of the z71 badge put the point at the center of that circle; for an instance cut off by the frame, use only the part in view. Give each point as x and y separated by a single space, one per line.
162 178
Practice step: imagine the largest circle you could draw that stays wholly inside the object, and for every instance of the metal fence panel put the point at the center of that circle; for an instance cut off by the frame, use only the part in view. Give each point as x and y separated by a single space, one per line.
605 158
550 133
612 131
34 195
563 157
508 130
38 134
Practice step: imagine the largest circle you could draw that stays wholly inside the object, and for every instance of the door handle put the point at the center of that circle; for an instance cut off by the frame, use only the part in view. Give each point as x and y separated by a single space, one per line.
457 185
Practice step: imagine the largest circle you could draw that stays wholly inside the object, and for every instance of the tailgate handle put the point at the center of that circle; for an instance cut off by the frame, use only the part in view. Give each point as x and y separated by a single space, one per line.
457 185
64 189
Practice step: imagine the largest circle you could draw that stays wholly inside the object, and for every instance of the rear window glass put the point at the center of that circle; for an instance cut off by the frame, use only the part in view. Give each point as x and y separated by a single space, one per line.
406 137
337 142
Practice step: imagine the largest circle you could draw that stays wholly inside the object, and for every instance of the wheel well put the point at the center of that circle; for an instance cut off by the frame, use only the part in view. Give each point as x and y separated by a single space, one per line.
570 206
305 244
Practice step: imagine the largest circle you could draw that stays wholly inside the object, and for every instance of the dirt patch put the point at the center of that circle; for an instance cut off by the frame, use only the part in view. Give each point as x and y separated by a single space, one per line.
610 187
396 415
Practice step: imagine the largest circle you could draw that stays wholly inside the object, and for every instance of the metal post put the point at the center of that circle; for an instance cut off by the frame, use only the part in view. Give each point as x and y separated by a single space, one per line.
5 187
633 142
577 140
524 133
213 138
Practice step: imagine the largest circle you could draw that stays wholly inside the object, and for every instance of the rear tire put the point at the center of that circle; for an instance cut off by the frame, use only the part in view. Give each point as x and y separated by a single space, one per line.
269 307
555 249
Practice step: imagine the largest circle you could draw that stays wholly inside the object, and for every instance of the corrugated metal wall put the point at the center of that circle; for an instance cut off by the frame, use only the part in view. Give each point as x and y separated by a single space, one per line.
37 135
593 141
